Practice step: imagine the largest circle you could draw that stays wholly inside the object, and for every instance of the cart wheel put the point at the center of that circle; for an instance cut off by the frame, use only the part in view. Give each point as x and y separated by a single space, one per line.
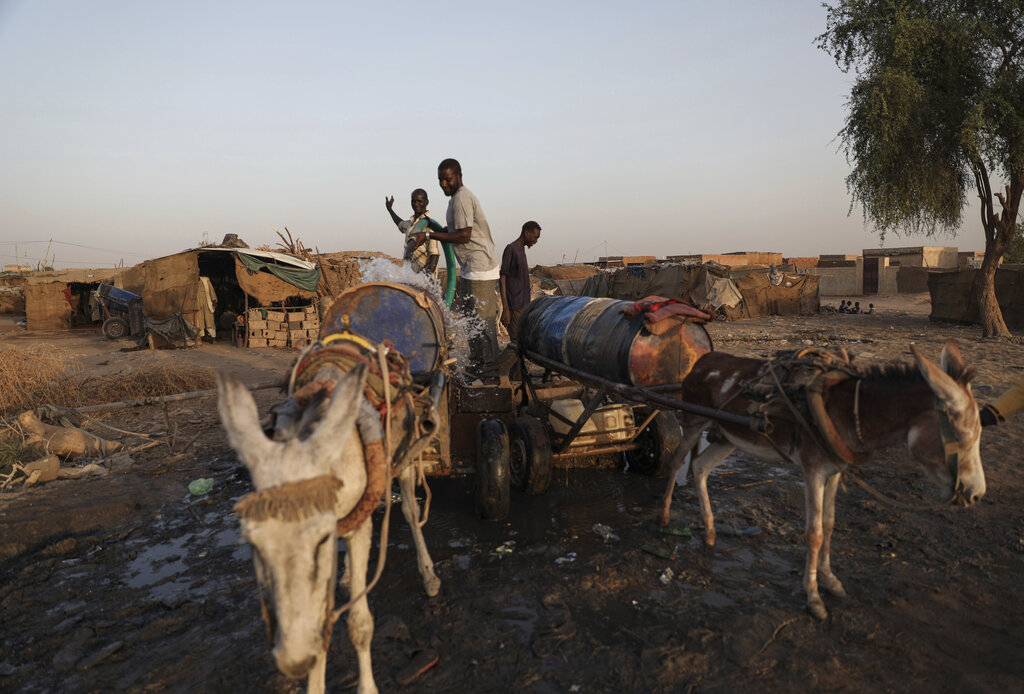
492 478
115 328
529 457
658 442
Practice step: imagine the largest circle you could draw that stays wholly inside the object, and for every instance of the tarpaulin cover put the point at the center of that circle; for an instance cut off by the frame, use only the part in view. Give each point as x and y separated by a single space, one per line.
795 295
266 287
175 329
171 286
133 279
303 279
47 307
709 287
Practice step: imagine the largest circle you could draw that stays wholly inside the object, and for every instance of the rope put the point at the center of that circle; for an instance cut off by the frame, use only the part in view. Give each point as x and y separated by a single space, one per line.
845 470
383 552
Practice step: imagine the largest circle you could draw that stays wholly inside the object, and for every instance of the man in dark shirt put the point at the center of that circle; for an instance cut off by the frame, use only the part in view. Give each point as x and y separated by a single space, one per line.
515 277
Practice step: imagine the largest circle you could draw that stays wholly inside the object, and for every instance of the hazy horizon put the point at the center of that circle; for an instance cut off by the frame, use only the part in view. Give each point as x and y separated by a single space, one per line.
136 130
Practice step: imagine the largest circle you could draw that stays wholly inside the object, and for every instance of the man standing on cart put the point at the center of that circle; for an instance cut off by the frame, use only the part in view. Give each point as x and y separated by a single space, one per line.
477 290
515 277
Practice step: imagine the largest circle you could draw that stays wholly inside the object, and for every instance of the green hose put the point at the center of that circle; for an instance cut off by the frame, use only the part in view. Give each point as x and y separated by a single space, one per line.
449 264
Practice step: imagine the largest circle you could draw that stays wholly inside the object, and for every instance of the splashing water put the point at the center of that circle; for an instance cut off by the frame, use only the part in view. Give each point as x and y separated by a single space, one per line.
459 327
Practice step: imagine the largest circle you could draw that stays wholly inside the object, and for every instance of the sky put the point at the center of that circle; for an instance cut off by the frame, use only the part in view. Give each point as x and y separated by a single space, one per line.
132 130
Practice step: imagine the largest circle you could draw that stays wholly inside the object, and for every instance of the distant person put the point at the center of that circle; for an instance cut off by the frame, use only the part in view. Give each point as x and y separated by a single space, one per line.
477 290
856 307
515 277
871 309
420 258
1005 406
842 306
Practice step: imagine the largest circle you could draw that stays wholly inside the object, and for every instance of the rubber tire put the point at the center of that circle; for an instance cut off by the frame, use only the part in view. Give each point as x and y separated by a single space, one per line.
116 327
530 461
658 443
492 473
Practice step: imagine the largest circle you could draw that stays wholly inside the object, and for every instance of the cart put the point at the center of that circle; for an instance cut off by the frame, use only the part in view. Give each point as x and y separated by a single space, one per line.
122 312
511 436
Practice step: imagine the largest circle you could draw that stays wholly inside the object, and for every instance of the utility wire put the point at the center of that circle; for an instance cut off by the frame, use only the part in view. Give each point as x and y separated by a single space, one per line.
76 245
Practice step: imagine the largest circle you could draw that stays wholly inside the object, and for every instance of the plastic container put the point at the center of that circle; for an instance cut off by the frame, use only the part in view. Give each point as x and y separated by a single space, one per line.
607 425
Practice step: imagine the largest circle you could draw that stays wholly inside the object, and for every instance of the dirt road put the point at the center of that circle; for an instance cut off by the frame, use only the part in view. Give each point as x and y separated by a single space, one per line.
126 583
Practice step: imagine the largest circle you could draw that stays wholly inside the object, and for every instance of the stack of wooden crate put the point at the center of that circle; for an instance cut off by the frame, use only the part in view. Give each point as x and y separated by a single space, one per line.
285 327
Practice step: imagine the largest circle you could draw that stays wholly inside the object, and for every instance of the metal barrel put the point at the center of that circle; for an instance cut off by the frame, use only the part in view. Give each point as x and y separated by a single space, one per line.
594 336
545 321
406 318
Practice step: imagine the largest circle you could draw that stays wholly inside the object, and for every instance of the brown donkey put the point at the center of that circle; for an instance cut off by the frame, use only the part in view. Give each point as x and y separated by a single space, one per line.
829 422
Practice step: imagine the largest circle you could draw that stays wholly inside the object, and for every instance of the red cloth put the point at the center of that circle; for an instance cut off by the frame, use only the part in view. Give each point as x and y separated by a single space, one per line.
658 308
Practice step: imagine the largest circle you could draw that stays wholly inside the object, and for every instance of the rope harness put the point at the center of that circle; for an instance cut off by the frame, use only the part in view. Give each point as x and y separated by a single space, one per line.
389 389
800 393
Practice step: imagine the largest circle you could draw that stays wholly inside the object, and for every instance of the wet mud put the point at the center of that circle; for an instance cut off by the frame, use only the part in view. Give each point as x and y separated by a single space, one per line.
127 583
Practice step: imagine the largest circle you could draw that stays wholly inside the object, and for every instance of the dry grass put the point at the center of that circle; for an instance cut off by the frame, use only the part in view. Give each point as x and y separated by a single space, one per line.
37 375
163 379
48 375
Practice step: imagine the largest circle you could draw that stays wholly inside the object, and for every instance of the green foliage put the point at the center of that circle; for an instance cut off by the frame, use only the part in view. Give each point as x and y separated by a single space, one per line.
937 104
1015 253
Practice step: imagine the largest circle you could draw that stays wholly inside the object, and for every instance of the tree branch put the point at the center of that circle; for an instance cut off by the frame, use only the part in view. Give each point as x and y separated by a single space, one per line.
984 187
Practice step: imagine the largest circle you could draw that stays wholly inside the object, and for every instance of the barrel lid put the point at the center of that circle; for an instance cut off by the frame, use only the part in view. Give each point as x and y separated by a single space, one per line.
407 319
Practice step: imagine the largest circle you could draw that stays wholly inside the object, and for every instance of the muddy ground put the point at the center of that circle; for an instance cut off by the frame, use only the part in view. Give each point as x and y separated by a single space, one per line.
126 583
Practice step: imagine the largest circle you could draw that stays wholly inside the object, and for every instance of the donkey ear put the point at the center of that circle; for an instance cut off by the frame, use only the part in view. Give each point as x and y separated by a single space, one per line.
951 361
944 387
240 418
339 419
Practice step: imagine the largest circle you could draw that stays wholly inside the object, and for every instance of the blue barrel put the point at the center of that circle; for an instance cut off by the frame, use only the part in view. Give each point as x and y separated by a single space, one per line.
595 336
407 319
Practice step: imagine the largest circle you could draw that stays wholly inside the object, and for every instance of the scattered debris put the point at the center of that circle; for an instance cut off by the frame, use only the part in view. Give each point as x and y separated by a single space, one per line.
605 533
679 532
567 559
664 554
201 486
723 529
507 547
66 442
666 576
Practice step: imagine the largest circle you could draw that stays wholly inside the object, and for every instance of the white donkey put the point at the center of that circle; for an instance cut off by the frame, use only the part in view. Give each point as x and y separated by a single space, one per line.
319 473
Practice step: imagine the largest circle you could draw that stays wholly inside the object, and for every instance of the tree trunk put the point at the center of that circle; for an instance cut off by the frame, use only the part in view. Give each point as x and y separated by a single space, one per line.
989 313
999 231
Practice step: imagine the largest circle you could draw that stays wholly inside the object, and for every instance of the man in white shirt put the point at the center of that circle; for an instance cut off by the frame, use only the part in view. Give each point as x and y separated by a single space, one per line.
479 269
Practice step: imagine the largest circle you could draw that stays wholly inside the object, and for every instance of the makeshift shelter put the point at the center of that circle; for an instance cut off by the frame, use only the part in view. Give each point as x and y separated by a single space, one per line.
952 296
711 287
565 280
63 299
12 292
211 287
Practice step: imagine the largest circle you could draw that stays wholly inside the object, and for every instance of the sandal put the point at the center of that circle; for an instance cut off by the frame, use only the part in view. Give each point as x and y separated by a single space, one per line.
422 660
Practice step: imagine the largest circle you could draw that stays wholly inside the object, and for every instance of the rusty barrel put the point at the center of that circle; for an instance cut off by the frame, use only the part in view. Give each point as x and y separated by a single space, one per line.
595 336
405 318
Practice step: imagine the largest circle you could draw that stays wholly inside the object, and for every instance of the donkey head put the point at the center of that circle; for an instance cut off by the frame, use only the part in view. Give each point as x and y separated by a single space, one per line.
947 443
291 518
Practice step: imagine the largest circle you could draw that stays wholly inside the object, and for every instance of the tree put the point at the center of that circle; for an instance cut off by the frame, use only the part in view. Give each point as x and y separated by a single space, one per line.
936 112
1015 253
